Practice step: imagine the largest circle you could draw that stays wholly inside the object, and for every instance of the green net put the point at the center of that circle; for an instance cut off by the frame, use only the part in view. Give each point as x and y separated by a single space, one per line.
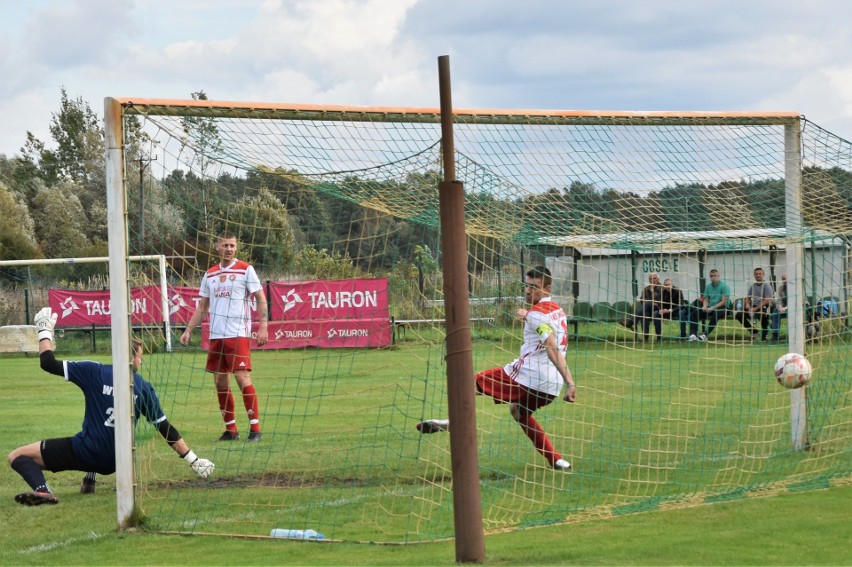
605 202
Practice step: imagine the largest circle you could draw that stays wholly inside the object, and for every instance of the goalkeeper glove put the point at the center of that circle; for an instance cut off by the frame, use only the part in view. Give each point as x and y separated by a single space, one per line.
45 320
202 467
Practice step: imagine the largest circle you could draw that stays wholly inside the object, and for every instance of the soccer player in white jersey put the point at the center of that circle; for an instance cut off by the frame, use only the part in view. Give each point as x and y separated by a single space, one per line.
534 379
227 290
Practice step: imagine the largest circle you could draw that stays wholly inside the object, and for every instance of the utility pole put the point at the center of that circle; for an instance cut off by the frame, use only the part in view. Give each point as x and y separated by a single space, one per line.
142 163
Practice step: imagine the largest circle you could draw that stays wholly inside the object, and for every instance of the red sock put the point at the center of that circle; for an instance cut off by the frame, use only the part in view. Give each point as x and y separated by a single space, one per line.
226 406
250 401
539 438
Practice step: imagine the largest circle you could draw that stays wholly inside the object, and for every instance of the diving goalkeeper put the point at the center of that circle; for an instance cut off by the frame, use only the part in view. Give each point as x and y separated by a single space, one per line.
92 450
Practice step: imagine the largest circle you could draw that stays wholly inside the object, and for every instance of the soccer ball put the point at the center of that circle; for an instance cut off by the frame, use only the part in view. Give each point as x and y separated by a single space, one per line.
793 370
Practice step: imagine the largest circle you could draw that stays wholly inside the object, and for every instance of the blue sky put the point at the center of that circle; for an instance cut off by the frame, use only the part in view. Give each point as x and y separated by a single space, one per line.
719 55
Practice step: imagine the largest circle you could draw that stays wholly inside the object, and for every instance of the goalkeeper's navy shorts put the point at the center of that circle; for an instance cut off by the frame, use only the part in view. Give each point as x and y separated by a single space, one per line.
503 389
58 455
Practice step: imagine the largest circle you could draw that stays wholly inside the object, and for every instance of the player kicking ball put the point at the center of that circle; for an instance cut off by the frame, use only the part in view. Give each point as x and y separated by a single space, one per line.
534 379
93 449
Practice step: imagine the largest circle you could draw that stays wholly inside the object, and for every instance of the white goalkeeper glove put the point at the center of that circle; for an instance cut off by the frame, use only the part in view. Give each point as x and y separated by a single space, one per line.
202 467
45 320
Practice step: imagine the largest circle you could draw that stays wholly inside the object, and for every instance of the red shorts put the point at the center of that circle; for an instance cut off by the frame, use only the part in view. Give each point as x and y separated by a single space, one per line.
503 389
229 355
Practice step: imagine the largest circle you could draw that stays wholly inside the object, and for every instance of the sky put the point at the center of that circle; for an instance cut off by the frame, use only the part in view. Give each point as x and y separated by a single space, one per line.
697 55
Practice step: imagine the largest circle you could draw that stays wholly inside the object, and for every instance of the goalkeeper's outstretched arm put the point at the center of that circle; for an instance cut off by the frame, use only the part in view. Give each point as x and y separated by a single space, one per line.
202 467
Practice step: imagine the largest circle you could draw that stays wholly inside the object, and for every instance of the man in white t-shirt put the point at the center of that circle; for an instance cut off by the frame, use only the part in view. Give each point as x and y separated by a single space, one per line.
227 292
535 378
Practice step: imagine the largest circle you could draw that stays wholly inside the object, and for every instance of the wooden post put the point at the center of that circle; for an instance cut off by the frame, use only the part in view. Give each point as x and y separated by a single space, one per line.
467 505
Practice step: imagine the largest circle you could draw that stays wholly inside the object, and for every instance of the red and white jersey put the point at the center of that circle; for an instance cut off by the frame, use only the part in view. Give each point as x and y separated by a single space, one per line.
230 292
533 369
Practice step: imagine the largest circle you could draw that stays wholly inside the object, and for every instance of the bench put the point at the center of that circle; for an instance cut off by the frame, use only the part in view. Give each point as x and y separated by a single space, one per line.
399 326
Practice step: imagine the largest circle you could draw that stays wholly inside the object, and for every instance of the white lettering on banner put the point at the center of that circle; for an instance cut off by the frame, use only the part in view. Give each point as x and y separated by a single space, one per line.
283 333
103 306
339 299
347 333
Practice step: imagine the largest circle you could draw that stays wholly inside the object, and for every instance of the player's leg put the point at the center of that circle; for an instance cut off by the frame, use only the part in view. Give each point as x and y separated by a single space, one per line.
242 372
28 462
218 359
222 381
537 435
250 402
89 483
492 382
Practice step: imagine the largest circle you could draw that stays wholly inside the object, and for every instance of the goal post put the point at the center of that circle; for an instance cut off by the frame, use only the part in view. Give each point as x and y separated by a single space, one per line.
605 199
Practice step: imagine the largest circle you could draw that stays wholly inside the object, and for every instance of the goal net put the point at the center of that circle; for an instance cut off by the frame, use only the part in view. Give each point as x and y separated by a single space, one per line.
320 198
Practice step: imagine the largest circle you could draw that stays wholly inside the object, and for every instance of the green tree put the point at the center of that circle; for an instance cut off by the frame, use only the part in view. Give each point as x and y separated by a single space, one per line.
262 225
17 239
60 221
201 136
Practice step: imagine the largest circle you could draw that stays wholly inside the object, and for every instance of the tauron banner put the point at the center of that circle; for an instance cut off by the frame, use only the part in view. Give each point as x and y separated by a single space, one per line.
329 299
86 308
320 313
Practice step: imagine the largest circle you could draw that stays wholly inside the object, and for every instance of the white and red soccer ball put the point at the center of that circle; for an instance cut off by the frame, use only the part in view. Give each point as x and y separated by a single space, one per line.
793 370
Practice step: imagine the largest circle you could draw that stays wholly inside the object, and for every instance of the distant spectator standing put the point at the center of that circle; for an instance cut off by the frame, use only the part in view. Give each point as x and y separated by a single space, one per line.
756 305
714 306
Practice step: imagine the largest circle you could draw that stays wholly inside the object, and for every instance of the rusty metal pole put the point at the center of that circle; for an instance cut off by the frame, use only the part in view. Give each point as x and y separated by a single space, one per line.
467 505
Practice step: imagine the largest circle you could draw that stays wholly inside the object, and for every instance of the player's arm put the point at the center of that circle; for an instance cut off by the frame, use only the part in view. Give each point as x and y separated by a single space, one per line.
169 432
45 321
558 360
195 320
263 316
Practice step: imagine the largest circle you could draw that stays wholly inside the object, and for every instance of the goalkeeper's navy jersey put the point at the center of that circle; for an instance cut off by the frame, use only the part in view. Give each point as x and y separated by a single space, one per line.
95 444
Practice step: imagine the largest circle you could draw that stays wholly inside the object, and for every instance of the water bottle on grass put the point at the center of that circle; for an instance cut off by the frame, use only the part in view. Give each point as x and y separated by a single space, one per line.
295 534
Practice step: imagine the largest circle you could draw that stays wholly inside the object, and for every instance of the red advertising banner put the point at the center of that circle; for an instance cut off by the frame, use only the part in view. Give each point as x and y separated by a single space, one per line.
329 299
93 307
329 333
321 313
182 302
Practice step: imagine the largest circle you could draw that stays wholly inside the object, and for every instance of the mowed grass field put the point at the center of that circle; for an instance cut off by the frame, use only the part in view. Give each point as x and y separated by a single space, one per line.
807 527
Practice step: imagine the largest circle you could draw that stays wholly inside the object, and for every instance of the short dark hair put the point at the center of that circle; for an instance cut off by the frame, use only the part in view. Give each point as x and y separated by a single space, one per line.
541 273
225 235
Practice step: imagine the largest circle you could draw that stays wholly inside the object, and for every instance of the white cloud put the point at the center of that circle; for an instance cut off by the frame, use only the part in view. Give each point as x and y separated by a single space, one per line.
584 54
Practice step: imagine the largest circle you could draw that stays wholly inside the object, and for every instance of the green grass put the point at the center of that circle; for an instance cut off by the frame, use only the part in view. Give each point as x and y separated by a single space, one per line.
808 528
654 426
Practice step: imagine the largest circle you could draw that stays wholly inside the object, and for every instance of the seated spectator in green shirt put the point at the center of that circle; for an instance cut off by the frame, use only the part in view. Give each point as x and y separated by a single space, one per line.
714 306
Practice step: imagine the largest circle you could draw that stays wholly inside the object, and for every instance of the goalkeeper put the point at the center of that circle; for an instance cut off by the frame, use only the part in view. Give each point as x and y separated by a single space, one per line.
93 449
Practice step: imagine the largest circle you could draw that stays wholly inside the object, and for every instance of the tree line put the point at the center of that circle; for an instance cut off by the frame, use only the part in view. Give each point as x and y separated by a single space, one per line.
55 191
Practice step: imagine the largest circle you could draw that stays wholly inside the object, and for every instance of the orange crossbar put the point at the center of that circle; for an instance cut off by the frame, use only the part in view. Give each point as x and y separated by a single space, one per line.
784 116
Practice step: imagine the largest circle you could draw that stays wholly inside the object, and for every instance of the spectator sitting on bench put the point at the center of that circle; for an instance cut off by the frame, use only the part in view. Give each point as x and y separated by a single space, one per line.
714 301
649 303
671 301
756 305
